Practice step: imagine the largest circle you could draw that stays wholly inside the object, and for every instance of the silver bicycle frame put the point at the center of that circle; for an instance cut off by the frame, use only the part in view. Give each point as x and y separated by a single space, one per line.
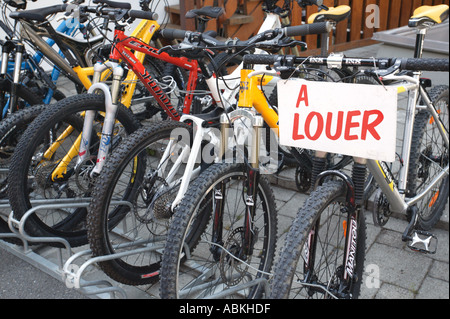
395 196
29 34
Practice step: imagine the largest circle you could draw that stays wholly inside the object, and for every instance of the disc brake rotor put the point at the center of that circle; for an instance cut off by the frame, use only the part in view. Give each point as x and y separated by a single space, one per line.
233 270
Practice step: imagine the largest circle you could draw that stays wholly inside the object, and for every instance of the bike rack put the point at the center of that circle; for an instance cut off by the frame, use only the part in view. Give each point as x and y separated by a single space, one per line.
65 269
61 269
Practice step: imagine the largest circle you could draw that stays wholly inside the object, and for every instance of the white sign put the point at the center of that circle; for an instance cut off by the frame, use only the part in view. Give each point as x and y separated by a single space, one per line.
350 119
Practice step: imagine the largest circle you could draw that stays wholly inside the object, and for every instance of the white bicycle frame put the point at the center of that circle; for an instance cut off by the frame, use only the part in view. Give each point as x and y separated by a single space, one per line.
272 21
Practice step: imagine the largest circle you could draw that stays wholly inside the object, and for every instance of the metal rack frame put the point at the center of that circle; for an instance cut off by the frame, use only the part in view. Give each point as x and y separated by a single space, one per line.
62 269
65 269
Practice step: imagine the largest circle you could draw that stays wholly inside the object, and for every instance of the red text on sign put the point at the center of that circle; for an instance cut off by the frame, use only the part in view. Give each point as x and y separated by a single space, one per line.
354 127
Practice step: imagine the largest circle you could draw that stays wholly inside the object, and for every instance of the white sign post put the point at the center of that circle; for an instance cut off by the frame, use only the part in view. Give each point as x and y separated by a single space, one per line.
350 119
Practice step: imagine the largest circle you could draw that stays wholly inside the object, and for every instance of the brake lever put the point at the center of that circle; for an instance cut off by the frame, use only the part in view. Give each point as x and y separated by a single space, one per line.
167 48
293 43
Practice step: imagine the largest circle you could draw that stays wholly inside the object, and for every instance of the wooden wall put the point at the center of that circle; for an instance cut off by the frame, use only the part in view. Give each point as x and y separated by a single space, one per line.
349 34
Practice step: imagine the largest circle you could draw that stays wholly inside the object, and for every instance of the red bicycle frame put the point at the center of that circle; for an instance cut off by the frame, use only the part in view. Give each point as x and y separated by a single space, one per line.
121 51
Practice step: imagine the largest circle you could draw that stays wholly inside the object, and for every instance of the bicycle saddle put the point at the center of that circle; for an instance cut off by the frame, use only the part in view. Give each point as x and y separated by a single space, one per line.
425 15
335 14
40 14
208 11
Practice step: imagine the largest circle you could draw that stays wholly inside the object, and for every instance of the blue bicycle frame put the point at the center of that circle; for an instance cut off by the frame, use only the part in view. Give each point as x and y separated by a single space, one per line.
66 28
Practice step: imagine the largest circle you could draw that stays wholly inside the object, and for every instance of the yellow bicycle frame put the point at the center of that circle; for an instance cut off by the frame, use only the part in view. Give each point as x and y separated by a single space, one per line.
250 95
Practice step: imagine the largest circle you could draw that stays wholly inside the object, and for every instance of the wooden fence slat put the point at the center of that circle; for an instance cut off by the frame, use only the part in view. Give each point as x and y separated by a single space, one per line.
394 14
356 20
311 40
406 12
367 29
185 6
341 28
384 14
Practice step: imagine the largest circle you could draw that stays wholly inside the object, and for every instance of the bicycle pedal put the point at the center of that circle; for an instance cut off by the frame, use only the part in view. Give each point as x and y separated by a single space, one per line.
426 243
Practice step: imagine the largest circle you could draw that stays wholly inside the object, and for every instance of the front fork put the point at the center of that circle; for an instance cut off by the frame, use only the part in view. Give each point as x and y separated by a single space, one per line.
250 189
354 202
16 74
111 105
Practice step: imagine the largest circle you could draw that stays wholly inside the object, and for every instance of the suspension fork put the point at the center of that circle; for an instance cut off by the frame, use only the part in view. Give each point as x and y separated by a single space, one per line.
251 189
253 174
353 204
7 48
81 144
111 106
219 193
16 76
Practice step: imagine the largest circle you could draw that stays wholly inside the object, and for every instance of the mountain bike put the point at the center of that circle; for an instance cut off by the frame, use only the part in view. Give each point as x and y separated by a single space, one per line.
62 157
323 256
191 230
164 182
152 169
145 30
29 84
160 186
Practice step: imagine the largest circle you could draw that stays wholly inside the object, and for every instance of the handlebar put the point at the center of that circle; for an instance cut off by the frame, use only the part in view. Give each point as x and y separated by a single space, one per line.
313 28
411 64
301 30
113 4
119 13
268 39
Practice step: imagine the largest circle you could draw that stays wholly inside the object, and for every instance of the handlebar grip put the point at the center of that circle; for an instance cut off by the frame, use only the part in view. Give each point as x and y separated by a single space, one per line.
146 15
171 34
259 59
426 64
305 29
112 4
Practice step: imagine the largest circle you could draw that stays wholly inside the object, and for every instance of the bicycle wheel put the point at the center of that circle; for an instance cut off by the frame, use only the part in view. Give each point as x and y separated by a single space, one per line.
25 97
203 255
33 163
312 263
429 155
11 129
134 174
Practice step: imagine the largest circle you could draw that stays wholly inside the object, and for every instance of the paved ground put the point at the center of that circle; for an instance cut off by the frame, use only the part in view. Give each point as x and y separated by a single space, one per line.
403 274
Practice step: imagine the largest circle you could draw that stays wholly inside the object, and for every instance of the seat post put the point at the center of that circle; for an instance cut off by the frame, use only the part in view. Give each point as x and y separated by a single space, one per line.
420 38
